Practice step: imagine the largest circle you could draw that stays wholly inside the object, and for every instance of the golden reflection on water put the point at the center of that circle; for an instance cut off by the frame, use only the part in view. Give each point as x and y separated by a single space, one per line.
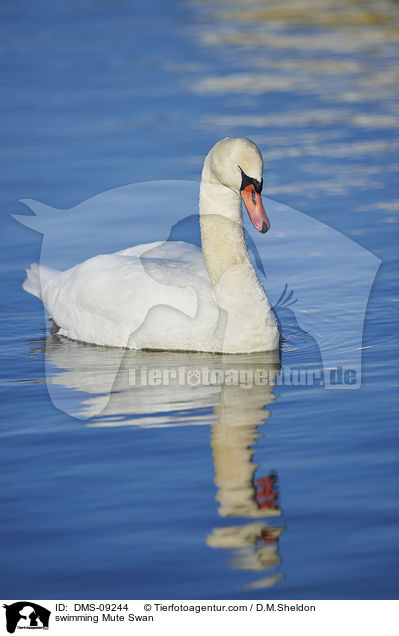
335 13
232 404
329 64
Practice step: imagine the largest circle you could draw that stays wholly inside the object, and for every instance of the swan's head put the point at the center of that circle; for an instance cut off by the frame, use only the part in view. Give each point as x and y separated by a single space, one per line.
236 162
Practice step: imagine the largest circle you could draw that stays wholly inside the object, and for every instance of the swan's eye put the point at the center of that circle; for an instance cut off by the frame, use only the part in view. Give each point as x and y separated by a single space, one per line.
246 181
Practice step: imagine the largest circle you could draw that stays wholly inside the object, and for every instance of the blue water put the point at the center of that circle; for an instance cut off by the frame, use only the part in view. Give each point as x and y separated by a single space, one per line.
136 498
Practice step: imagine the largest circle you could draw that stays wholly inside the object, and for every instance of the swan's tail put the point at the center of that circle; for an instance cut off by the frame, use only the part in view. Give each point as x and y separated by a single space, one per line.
37 276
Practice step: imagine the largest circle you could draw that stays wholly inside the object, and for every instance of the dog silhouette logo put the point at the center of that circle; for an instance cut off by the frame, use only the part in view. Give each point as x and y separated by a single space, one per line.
26 615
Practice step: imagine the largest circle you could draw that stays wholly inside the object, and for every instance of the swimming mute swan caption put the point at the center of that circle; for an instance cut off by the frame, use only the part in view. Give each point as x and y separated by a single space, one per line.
174 295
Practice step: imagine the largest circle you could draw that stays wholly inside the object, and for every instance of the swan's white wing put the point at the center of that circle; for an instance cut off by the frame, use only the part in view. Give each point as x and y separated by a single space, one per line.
138 250
106 299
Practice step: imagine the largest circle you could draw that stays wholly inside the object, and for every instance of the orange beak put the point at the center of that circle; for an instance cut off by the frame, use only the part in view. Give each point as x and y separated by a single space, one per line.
256 211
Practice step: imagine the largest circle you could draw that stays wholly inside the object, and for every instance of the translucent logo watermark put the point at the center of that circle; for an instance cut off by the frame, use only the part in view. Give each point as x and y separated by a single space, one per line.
243 378
317 280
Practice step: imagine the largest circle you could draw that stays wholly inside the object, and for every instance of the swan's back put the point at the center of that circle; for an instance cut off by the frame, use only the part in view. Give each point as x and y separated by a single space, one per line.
150 296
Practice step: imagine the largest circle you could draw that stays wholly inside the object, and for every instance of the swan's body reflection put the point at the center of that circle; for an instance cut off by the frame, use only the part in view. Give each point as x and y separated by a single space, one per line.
151 389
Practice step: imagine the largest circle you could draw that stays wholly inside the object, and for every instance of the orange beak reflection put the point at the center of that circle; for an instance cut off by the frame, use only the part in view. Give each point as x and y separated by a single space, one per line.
256 211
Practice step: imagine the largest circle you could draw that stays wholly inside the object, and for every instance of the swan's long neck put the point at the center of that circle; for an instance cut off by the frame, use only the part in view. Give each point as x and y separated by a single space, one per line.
222 232
249 323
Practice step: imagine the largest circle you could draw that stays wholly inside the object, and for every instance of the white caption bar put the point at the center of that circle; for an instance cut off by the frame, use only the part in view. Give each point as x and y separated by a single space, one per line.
192 617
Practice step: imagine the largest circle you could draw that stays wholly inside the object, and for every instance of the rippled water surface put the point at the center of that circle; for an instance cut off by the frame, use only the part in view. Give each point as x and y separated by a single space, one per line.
279 489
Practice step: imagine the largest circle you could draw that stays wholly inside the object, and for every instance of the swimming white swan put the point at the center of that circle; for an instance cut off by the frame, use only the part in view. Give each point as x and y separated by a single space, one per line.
173 295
